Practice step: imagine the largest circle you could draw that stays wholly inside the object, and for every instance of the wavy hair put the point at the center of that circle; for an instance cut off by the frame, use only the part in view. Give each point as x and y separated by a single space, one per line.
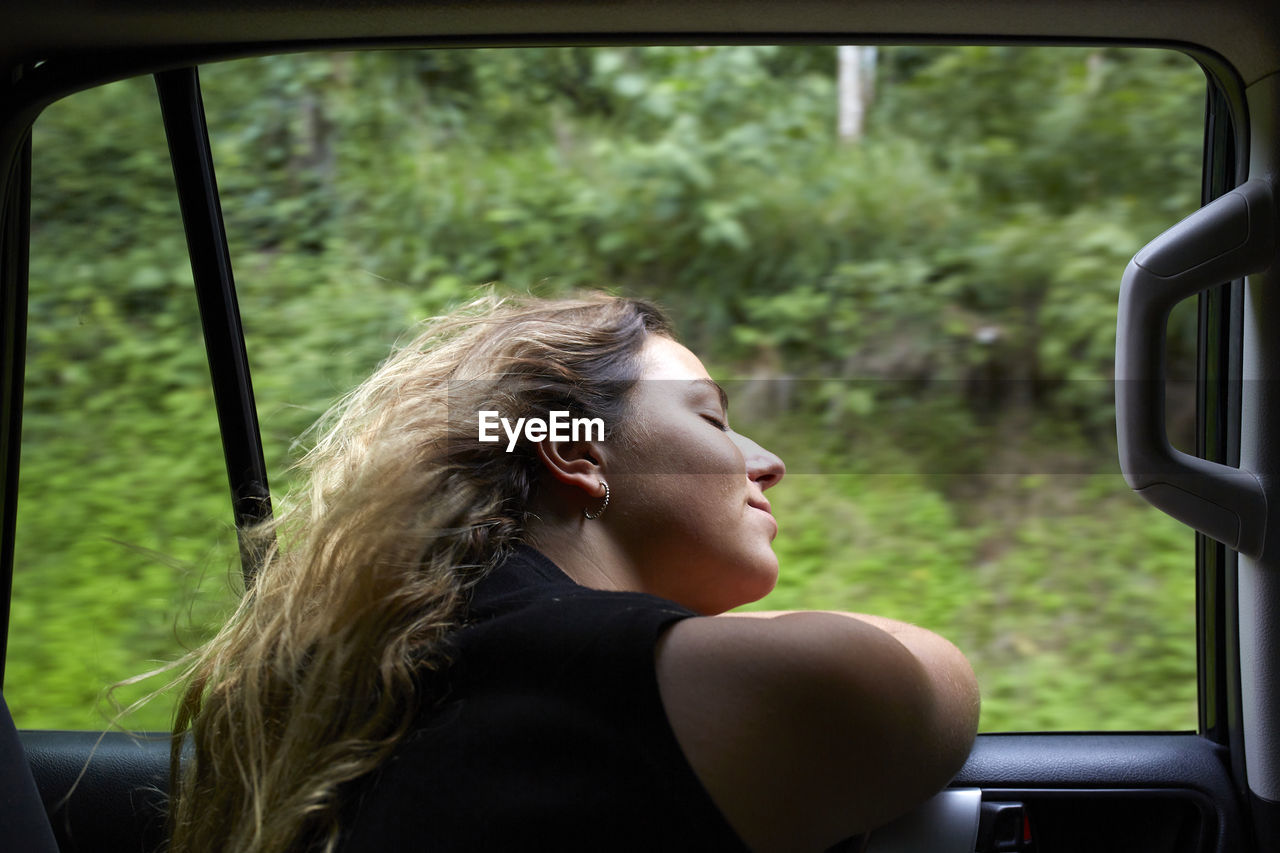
317 674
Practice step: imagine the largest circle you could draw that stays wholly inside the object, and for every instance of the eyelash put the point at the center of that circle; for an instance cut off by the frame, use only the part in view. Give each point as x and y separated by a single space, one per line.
717 423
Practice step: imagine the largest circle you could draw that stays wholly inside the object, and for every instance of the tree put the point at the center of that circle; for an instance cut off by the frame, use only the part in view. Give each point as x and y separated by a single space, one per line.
856 89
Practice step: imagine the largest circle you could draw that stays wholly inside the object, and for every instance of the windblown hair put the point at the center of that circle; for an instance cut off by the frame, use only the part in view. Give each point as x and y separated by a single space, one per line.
317 674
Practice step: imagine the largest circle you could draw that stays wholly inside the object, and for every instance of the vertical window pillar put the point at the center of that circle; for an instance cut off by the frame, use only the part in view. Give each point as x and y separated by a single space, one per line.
192 159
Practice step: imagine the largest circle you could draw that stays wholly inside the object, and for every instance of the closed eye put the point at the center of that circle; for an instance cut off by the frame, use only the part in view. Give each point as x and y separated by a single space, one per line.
716 422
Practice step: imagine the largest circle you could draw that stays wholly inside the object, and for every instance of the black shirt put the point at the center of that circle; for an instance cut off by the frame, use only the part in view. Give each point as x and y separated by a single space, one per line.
550 733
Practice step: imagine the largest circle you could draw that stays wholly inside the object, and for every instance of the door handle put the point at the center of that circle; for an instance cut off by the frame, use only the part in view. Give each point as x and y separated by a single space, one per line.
1231 237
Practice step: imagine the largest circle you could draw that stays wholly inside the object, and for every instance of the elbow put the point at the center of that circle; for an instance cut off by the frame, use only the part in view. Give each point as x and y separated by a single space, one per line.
910 720
950 706
930 724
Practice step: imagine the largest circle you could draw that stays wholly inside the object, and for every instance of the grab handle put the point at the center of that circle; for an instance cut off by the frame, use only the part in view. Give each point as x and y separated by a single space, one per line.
1232 237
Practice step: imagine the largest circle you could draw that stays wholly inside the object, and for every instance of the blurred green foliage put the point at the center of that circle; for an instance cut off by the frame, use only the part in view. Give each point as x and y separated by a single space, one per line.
925 315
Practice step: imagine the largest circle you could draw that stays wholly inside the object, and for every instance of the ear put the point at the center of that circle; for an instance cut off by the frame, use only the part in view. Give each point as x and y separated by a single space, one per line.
574 463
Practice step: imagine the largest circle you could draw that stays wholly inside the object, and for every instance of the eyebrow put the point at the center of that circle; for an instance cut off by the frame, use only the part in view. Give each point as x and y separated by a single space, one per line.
724 398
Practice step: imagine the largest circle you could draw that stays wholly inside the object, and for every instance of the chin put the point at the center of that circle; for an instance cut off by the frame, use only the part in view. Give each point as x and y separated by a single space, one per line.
755 585
767 583
728 582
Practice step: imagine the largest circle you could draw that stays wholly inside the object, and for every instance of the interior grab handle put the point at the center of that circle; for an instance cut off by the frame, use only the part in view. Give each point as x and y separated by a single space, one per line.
1232 237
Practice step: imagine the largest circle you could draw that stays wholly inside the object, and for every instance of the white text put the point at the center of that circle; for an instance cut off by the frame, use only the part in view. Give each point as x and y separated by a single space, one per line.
558 427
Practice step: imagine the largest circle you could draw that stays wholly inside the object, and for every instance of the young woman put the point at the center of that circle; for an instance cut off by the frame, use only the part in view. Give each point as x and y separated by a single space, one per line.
457 642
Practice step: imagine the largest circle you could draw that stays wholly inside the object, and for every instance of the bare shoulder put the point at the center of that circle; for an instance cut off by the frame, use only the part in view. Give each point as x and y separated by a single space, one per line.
809 727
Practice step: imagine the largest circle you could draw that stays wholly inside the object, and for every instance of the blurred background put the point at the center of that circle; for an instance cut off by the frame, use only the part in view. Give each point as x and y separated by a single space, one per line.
903 263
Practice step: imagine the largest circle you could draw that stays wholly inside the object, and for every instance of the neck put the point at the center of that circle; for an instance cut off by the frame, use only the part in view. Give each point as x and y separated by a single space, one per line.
585 552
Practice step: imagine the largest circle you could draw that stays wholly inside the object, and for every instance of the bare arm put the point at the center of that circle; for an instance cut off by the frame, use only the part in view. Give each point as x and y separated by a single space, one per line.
809 727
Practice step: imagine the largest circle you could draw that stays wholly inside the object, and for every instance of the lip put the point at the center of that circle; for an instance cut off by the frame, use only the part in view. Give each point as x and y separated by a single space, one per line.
763 506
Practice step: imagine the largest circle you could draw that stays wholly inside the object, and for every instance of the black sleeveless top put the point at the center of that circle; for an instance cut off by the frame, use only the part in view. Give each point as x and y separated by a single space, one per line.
550 733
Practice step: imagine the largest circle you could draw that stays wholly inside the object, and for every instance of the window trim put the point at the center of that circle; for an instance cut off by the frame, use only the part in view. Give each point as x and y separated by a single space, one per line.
190 154
1218 410
15 229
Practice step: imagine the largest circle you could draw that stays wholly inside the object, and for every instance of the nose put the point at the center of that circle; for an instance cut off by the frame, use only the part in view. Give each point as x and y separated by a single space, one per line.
763 468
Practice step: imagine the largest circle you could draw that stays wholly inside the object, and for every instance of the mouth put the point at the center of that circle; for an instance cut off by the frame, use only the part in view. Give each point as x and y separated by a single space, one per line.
763 505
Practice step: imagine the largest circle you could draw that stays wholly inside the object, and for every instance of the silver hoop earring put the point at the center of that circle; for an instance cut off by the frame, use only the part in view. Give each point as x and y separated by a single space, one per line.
603 506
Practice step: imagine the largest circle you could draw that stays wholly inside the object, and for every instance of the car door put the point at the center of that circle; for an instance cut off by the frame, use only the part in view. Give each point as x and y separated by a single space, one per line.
1215 789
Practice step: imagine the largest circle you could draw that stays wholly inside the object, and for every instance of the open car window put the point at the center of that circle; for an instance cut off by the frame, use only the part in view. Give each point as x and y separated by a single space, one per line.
902 263
123 512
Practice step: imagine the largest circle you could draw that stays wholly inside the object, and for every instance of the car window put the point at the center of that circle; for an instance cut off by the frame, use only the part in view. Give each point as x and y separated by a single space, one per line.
124 532
902 263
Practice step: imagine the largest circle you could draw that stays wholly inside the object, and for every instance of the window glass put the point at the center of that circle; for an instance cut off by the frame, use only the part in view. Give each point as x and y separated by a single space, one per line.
903 263
124 535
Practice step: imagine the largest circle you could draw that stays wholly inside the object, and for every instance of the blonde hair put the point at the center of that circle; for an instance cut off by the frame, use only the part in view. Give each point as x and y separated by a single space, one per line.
316 676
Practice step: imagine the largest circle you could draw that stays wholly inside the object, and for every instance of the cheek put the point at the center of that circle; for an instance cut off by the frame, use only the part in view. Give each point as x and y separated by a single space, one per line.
687 471
716 465
681 479
688 500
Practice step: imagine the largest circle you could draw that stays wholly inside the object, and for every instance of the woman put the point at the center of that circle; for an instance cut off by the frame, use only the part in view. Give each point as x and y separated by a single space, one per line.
462 643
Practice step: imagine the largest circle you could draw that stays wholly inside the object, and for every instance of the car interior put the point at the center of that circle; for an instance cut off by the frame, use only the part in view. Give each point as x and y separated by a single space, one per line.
1213 789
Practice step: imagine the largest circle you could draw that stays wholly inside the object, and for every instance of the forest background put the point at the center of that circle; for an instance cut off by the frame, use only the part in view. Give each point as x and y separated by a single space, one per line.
918 315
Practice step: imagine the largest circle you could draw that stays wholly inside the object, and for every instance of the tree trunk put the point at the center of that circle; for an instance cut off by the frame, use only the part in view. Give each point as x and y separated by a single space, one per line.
855 86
